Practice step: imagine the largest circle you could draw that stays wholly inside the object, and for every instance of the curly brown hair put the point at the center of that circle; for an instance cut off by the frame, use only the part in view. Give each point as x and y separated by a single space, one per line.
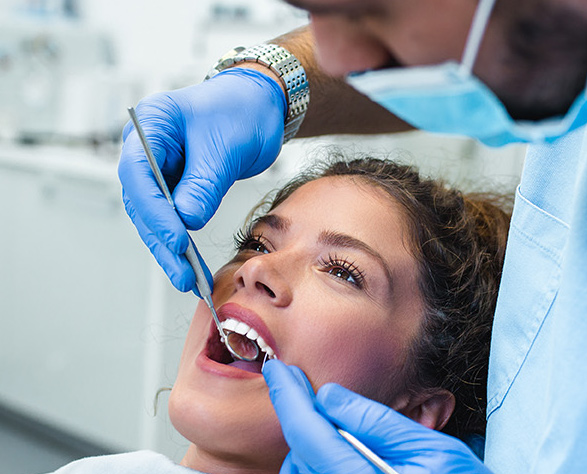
459 243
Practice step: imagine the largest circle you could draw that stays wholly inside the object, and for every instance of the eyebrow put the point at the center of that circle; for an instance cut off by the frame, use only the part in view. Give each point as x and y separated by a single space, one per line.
275 222
328 238
337 239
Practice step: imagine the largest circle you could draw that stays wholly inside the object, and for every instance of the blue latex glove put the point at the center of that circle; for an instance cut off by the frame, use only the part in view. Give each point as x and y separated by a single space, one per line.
316 447
204 138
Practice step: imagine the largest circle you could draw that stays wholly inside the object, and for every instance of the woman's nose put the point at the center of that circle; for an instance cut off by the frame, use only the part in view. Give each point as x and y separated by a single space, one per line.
344 46
261 276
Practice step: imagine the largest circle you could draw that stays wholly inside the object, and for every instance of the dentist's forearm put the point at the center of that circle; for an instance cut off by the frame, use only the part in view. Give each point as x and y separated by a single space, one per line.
335 107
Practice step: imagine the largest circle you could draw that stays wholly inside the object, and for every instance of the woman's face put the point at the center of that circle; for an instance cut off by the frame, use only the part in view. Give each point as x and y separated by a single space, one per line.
327 281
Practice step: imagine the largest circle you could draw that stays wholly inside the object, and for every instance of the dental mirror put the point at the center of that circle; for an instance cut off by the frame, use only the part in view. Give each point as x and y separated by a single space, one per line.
241 347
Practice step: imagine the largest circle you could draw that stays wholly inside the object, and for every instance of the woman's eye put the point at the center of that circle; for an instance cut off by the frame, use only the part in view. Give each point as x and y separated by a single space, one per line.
343 270
256 246
342 274
247 241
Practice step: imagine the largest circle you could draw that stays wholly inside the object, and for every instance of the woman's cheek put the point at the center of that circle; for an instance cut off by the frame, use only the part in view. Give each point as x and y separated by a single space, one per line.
224 283
356 357
330 352
199 327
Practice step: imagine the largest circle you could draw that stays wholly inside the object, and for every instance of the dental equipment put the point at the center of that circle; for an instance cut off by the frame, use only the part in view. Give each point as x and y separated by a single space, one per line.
367 453
239 346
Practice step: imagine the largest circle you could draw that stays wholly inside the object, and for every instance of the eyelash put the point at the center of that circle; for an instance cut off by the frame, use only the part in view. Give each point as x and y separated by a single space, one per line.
333 263
247 240
244 239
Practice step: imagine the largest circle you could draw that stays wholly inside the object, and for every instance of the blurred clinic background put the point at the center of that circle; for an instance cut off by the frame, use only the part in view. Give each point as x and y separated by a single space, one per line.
90 328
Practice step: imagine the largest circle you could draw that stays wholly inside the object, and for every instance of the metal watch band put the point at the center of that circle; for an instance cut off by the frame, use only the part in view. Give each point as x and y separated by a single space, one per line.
289 70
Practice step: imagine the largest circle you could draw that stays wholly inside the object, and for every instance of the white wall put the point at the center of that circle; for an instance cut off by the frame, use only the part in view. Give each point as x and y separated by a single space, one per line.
162 39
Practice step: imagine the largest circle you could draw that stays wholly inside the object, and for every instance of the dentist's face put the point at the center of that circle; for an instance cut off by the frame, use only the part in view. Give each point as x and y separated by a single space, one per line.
532 54
327 281
353 35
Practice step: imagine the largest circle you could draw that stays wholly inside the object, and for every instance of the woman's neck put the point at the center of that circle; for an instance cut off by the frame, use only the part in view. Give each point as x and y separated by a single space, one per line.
208 463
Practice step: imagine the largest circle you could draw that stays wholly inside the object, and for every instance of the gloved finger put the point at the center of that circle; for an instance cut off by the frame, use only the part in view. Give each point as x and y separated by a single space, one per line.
284 378
176 267
164 127
289 466
209 172
128 127
313 440
197 199
379 427
142 190
298 466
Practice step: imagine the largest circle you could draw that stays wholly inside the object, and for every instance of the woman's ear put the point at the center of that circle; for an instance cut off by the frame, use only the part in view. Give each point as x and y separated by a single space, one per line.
432 408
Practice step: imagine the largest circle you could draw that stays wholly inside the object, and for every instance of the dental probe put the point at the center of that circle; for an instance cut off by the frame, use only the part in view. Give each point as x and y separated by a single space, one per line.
367 453
191 255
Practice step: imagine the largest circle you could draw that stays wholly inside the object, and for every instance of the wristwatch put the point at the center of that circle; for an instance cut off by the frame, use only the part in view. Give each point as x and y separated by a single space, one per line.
288 69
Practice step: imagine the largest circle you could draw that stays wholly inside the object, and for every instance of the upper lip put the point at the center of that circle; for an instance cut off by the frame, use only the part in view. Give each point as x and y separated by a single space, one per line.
249 317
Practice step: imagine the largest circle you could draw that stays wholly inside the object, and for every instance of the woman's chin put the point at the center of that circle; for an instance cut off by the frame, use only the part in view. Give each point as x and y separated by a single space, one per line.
227 429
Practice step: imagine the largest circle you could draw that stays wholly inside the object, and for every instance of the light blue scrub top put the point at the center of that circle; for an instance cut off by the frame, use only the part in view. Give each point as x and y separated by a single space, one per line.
537 398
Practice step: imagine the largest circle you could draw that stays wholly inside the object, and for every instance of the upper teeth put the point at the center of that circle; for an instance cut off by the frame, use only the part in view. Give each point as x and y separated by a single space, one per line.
245 330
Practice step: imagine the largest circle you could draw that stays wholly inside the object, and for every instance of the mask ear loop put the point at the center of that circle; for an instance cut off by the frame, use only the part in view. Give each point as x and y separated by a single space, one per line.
475 36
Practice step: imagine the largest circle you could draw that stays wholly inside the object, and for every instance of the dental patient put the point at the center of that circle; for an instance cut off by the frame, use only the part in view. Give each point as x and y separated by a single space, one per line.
360 273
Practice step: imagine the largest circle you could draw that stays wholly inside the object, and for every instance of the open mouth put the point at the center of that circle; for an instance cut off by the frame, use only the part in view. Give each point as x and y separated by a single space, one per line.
217 351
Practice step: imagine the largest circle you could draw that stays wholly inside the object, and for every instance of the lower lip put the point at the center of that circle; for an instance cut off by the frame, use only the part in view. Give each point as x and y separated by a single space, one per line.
206 364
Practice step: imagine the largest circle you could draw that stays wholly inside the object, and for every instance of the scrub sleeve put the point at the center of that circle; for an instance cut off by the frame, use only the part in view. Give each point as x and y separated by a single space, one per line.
139 462
537 396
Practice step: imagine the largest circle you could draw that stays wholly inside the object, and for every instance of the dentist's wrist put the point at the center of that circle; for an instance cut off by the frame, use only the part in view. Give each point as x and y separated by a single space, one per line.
282 66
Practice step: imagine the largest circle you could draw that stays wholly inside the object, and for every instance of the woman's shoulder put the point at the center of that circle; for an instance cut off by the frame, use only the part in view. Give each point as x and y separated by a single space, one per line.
138 462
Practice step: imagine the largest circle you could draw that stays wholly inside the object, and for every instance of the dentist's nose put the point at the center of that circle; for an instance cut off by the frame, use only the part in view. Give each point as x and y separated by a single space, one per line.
261 276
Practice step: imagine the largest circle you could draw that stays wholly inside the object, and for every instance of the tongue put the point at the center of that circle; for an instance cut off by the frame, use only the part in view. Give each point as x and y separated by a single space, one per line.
248 366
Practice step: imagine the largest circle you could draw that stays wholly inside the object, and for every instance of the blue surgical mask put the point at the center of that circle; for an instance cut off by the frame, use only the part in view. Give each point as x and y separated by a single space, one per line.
448 98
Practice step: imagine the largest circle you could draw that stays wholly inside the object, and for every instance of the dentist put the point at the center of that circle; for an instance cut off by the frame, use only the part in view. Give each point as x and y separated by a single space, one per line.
501 72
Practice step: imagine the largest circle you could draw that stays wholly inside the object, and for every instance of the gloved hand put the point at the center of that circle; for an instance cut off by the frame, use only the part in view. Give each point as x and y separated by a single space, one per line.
308 423
204 138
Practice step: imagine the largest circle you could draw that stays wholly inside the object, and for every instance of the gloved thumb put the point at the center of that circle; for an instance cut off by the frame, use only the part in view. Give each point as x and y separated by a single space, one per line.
374 424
